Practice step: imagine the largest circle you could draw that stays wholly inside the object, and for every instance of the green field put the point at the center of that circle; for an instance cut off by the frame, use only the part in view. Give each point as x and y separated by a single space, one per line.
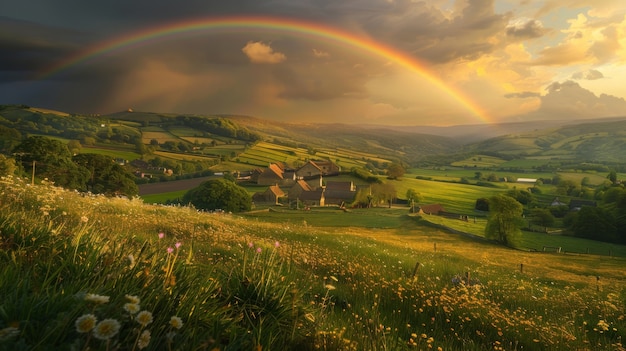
313 281
163 197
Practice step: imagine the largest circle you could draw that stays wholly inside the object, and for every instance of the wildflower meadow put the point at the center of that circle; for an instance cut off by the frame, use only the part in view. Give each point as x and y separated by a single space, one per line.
86 272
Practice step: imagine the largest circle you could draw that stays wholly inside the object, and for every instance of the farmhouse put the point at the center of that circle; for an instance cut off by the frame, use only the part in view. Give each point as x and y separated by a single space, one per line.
313 197
272 194
557 202
317 168
274 174
298 188
527 180
338 193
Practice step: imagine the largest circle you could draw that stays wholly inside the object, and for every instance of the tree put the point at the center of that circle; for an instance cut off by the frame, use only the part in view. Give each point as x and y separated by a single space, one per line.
522 196
52 159
383 193
395 171
217 194
482 204
595 223
612 176
7 166
74 146
567 187
542 217
107 177
9 138
413 197
504 219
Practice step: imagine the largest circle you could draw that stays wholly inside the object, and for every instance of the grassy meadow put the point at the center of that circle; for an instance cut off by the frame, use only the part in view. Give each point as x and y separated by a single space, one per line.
85 272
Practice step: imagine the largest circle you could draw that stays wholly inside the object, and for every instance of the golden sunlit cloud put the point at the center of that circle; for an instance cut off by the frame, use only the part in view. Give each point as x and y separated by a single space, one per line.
259 52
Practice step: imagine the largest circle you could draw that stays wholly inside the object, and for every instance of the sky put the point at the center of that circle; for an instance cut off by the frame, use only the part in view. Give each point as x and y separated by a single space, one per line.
394 62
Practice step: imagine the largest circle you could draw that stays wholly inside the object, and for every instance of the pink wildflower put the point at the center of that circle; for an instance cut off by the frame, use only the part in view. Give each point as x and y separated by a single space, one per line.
258 250
178 244
170 250
161 235
276 244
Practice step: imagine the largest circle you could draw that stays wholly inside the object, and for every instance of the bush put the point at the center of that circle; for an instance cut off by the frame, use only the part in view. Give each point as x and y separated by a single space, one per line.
218 194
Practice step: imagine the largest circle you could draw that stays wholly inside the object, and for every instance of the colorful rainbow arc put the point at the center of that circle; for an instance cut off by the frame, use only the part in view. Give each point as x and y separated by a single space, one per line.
311 29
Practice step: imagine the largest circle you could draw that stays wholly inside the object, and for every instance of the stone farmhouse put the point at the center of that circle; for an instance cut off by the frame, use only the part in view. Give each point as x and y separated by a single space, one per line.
314 169
305 185
274 174
273 194
339 193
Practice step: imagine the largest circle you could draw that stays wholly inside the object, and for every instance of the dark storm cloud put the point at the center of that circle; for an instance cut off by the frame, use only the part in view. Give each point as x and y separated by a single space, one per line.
27 47
415 27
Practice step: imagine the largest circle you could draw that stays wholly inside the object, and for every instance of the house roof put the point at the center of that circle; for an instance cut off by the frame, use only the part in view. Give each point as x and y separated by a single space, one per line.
557 202
276 190
432 208
304 185
274 168
312 164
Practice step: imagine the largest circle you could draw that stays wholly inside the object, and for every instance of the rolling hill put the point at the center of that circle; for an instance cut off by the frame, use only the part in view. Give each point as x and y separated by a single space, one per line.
228 136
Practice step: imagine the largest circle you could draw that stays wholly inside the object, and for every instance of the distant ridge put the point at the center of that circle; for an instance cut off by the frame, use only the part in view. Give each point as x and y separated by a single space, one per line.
477 132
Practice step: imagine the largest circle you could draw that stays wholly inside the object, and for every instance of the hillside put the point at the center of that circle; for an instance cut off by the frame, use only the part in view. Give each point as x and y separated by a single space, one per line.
73 264
219 141
597 142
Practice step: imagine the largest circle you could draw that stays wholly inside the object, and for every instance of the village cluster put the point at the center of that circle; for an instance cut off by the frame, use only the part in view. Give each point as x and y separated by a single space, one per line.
305 184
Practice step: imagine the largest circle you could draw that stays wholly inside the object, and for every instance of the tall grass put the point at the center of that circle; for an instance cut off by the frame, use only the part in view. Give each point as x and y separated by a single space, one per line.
80 272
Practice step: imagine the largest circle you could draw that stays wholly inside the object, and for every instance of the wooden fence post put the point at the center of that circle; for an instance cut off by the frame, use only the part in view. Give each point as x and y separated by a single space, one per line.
417 266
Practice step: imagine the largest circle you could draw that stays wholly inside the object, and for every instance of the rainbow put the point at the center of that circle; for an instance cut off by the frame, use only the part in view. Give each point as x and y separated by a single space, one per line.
279 24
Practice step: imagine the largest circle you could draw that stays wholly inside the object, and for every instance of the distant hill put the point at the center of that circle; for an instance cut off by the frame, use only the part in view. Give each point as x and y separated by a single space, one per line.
584 142
600 141
472 133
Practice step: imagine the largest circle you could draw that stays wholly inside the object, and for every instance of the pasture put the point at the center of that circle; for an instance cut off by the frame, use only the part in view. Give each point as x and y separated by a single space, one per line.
223 282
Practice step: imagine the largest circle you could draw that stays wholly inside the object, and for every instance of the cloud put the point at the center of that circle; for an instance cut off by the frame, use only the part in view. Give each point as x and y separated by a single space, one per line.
568 100
526 29
259 52
564 54
319 53
522 95
468 31
591 74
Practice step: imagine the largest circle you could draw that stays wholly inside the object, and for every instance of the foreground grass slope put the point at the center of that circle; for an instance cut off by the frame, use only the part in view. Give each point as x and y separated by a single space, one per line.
154 277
